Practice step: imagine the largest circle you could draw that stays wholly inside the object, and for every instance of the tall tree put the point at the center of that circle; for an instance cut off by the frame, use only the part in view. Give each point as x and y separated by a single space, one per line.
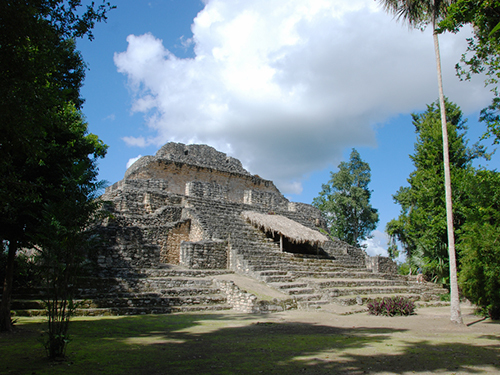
40 78
65 238
421 225
418 13
345 201
483 50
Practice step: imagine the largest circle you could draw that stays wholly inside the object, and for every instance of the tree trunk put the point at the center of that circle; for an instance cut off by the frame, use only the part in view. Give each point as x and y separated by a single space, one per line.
455 313
5 318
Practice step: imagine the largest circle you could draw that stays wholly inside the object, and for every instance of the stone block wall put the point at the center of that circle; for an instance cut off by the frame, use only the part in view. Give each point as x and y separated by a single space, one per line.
177 176
380 264
245 302
129 247
204 255
209 190
201 155
265 200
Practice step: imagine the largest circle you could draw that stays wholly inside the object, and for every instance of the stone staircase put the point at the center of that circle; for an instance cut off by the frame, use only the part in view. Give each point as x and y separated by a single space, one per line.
313 280
334 275
148 291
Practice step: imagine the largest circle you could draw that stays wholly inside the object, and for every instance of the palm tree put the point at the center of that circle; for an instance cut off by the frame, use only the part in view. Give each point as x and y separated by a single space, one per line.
417 14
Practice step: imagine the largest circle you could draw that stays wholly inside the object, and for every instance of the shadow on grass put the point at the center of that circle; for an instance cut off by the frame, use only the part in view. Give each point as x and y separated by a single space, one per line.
239 343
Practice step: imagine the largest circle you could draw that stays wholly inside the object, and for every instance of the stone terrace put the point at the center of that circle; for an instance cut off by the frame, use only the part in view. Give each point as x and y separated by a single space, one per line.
176 235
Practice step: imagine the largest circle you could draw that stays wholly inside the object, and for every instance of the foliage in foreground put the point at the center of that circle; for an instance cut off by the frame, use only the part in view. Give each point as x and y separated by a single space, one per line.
483 50
421 226
47 156
480 245
391 306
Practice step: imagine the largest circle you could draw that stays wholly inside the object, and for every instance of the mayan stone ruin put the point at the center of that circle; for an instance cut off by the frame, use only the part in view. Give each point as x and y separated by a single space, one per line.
190 230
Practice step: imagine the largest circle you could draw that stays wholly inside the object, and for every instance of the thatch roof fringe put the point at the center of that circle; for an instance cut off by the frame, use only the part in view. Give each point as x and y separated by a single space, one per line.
294 231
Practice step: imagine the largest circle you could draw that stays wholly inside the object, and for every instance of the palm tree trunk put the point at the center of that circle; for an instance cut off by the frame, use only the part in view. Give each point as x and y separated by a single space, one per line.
455 313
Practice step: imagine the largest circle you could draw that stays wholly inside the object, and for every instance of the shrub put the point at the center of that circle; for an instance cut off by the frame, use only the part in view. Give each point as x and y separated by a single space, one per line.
391 306
479 278
445 297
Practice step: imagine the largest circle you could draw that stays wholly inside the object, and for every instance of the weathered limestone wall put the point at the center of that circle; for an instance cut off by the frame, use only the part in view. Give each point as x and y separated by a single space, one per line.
185 179
379 264
245 302
204 255
131 246
199 155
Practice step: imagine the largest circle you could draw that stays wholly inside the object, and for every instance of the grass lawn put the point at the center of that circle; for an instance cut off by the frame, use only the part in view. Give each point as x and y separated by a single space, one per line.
231 343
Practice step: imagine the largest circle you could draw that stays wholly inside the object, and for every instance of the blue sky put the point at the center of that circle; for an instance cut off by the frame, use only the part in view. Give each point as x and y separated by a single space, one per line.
286 86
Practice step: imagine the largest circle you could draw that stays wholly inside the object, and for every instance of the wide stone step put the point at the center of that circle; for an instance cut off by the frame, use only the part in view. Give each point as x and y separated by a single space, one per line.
279 279
341 274
308 297
358 283
155 302
130 301
258 268
331 267
354 291
130 310
311 304
184 273
272 273
265 262
297 291
289 285
153 285
335 268
155 292
364 299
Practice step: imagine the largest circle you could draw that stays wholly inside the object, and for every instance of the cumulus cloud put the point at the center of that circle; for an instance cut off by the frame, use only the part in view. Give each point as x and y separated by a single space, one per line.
286 85
377 245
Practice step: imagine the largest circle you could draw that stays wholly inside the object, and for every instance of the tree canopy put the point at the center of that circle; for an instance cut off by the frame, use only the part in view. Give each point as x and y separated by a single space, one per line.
345 201
478 248
47 155
483 49
421 225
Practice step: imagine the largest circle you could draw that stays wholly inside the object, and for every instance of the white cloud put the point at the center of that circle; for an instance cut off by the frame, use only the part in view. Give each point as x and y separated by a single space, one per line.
132 161
377 245
136 141
284 85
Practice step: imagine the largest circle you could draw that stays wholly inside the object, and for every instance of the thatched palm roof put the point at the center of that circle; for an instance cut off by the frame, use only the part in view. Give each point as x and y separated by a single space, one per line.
294 231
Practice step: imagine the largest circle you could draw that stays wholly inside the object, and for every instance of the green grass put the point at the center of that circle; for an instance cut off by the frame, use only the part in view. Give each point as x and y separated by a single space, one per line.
239 343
